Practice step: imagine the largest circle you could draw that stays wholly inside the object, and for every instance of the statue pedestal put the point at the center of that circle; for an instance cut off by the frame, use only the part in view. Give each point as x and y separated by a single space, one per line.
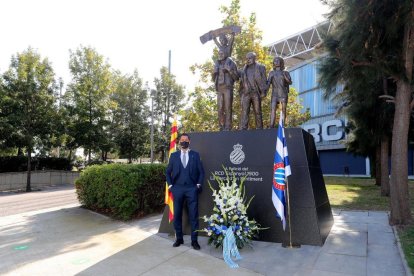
252 152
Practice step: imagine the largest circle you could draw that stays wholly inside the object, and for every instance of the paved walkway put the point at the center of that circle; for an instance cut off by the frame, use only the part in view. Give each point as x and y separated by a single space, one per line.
53 196
73 241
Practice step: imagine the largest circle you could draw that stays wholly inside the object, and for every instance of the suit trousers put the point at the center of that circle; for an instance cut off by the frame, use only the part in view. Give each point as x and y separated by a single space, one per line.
224 106
248 99
183 193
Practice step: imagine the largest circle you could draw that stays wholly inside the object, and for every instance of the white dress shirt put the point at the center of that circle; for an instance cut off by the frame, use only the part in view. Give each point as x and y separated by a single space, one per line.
182 156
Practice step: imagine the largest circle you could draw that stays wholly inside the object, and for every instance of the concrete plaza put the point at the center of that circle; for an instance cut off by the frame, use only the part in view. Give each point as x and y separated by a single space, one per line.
69 240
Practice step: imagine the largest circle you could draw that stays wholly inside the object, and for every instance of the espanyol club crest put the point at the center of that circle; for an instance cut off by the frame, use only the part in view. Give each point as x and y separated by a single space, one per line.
237 155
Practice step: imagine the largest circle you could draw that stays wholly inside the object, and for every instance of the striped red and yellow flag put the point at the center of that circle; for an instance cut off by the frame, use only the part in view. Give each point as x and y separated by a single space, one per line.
169 200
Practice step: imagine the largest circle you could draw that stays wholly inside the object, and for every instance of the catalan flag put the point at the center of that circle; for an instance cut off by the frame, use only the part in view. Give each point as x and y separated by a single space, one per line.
281 170
169 200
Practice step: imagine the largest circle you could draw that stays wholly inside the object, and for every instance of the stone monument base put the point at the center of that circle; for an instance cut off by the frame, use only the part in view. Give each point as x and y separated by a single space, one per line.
251 153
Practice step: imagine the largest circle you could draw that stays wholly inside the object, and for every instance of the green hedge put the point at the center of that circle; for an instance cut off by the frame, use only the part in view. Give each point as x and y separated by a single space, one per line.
122 191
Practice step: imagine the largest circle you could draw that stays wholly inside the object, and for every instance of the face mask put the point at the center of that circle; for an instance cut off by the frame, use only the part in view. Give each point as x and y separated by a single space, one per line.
184 145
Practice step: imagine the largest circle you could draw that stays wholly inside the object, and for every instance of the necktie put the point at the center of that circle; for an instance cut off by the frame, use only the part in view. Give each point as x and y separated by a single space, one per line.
184 159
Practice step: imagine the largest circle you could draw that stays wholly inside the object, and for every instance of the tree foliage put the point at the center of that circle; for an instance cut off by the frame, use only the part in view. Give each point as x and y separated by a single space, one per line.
130 113
28 104
87 99
373 41
168 100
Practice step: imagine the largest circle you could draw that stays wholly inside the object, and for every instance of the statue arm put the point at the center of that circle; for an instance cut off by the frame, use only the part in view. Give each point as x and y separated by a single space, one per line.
287 77
232 69
263 81
231 40
269 80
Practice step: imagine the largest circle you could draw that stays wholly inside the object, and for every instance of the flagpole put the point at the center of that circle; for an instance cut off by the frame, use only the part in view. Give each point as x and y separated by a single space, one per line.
288 211
290 227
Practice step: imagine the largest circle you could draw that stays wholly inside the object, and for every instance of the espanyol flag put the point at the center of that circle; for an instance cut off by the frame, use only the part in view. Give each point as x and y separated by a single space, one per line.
281 170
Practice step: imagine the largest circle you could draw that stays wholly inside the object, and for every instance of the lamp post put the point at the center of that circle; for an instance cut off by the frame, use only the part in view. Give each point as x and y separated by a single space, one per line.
152 94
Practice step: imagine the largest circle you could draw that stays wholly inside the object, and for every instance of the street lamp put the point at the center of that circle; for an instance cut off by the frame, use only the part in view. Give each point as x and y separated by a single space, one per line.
152 95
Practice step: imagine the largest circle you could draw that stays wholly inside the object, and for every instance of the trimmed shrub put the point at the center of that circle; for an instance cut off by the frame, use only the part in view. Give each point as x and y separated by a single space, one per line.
122 190
19 164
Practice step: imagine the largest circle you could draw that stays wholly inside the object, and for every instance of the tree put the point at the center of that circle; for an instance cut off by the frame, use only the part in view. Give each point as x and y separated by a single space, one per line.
202 115
168 101
28 104
130 116
368 115
379 35
87 99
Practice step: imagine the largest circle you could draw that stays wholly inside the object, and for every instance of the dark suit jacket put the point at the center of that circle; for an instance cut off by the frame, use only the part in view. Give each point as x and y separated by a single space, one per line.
174 168
260 80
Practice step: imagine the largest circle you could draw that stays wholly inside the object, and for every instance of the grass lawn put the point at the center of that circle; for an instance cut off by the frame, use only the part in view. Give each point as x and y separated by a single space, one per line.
361 194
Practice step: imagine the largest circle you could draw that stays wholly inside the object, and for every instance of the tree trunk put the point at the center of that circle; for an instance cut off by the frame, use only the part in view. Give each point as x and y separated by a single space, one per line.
89 155
385 177
70 155
378 168
400 205
163 155
29 168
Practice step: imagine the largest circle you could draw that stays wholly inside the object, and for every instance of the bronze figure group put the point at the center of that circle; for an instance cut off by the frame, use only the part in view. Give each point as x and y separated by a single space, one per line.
253 82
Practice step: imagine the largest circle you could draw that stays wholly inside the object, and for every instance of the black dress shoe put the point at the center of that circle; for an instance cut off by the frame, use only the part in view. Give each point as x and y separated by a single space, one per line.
195 245
177 243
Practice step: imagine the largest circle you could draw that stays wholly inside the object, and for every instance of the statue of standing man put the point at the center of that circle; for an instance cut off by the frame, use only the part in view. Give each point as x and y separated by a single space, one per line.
225 73
253 88
280 80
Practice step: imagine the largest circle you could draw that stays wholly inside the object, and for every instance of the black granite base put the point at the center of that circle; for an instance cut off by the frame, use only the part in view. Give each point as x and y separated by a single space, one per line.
310 217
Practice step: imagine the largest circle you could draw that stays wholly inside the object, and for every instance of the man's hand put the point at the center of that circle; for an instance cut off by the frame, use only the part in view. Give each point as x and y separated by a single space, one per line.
169 187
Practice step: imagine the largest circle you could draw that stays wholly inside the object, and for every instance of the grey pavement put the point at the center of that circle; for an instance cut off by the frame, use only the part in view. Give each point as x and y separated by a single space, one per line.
69 240
52 196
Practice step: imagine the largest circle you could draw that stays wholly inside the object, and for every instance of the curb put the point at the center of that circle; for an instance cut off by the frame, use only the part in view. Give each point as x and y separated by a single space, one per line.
400 250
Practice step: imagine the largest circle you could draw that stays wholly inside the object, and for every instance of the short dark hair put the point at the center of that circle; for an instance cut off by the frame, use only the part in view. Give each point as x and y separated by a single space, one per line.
184 134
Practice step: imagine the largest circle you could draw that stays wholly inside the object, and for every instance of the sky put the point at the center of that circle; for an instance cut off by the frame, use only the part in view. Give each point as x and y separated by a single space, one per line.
138 34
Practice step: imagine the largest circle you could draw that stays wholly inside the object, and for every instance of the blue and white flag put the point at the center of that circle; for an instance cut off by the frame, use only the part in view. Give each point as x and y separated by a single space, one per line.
281 170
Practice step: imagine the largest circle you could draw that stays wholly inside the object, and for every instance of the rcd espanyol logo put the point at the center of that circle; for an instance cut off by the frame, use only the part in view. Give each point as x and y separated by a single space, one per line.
237 155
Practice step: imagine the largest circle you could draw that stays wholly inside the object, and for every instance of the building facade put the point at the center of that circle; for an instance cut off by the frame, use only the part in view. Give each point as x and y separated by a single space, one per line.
300 52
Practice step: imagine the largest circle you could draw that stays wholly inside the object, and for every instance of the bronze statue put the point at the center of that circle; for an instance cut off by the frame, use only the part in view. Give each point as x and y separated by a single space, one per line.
224 44
280 80
225 72
253 88
224 76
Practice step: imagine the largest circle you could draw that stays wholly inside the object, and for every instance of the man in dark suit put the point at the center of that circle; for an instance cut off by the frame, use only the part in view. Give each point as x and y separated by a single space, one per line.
185 176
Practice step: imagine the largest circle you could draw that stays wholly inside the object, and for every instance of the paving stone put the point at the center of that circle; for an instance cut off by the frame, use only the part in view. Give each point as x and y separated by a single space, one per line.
350 226
382 238
322 273
375 227
341 264
384 256
352 216
346 242
193 262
